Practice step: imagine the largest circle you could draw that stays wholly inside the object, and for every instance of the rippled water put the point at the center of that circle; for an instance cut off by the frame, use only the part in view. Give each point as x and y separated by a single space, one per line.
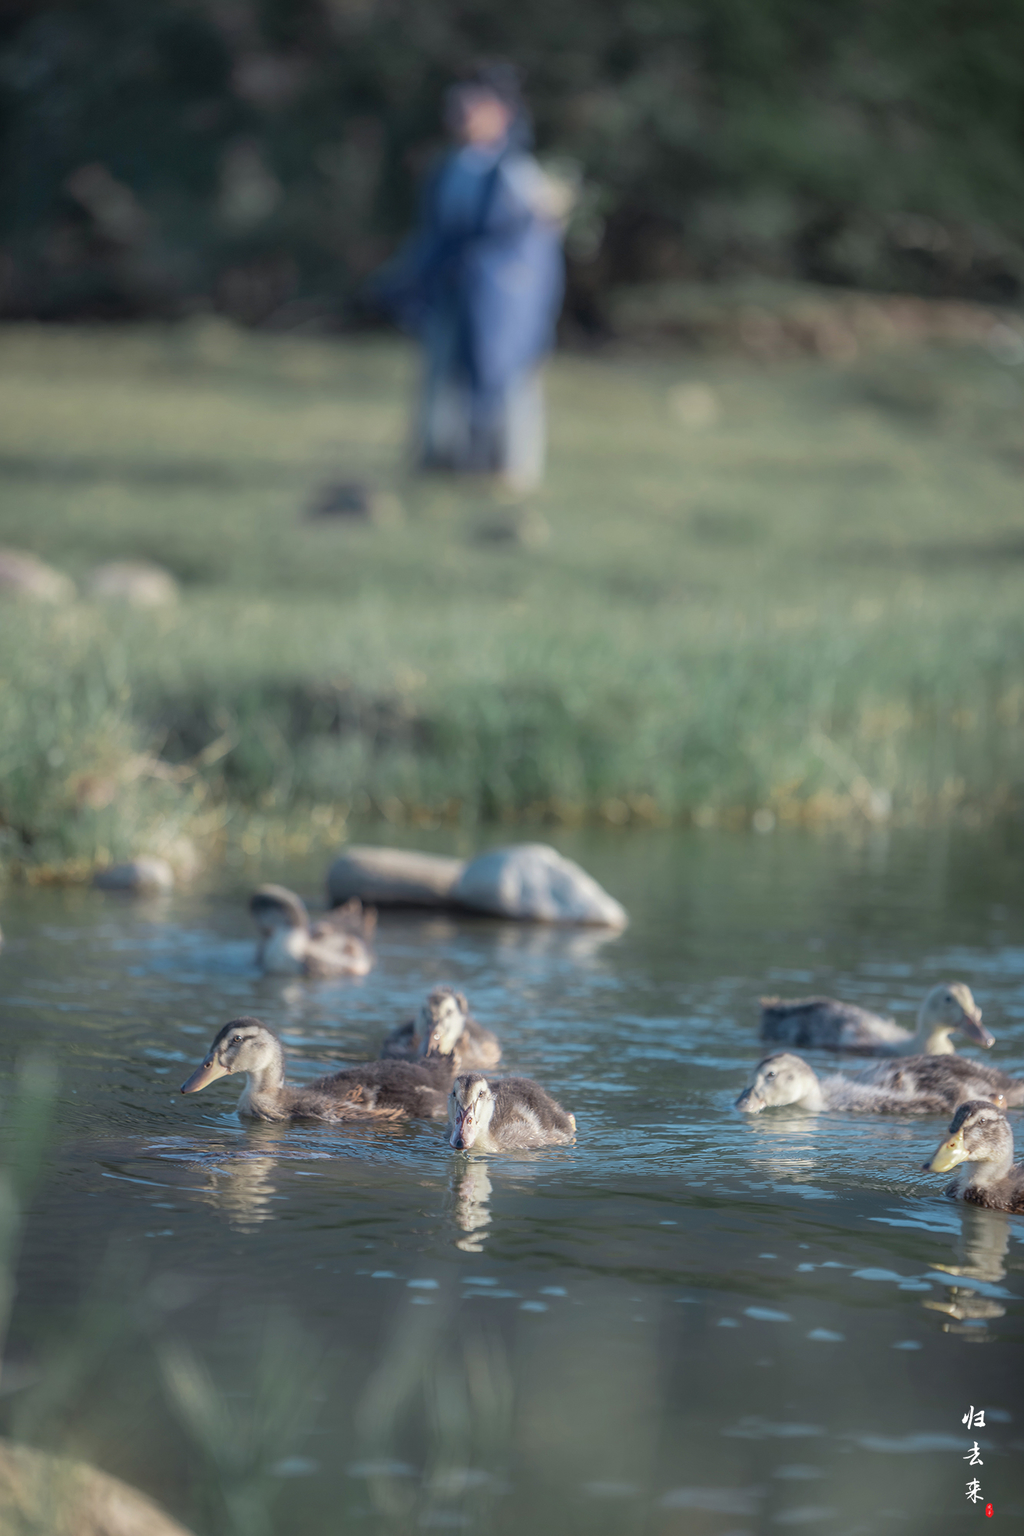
690 1322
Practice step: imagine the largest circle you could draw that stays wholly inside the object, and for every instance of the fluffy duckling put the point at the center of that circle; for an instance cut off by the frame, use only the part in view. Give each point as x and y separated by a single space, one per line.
290 945
829 1025
504 1116
980 1146
444 1027
917 1085
374 1090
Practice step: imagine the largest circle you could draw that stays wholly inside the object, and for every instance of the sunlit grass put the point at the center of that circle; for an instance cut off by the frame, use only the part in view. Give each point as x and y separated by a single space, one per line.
802 598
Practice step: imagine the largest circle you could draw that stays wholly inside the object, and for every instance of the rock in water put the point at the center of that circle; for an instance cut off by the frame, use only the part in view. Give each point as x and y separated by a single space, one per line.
135 582
393 877
24 575
533 882
144 875
39 1492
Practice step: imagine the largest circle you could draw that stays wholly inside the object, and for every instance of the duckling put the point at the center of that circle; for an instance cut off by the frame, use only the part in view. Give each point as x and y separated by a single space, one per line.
374 1090
290 945
833 1026
512 1113
916 1085
444 1027
981 1141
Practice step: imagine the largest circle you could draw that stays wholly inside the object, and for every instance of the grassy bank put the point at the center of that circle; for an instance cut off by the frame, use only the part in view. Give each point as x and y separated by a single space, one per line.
793 587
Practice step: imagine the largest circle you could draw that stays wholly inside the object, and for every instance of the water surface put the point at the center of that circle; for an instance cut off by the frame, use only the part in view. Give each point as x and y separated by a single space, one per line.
690 1322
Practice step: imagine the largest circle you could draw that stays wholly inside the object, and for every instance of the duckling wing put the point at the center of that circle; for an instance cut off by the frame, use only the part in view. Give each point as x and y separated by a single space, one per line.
334 952
942 1081
525 1115
393 1087
824 1022
352 917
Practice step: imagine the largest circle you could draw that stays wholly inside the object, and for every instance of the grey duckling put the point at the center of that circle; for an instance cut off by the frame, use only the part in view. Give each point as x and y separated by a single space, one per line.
506 1115
828 1025
374 1090
290 945
444 1027
915 1085
980 1147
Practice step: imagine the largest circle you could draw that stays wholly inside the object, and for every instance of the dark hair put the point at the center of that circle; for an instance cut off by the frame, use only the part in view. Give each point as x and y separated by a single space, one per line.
503 80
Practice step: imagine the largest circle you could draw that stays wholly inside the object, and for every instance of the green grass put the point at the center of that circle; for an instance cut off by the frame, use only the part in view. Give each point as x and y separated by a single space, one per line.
811 604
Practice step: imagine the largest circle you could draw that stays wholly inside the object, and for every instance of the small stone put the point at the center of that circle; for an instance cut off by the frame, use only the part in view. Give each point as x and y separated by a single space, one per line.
522 527
694 406
533 882
142 875
355 501
393 877
25 575
134 582
70 1498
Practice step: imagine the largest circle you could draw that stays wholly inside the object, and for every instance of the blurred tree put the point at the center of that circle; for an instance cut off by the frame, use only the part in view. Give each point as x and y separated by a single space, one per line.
262 155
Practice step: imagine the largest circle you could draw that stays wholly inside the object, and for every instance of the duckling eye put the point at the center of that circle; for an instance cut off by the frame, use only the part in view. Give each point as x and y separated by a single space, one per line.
769 1076
235 1040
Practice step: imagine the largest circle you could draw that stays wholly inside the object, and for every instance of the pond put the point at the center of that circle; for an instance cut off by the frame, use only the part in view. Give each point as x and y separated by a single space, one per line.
689 1322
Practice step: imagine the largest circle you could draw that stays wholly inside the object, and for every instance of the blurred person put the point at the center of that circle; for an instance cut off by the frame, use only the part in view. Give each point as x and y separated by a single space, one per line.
481 284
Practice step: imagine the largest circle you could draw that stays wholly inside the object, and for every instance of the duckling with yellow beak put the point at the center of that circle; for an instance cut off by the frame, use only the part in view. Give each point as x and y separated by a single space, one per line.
825 1024
505 1116
980 1147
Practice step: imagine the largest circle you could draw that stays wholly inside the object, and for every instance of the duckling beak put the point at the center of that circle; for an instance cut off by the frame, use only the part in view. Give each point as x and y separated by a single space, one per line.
463 1124
974 1029
208 1073
949 1154
750 1102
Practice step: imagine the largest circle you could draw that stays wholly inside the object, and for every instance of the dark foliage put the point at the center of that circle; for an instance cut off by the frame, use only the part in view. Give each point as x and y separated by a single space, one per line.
263 154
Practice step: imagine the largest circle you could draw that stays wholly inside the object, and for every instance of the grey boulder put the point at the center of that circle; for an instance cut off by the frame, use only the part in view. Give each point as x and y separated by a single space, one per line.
534 883
135 582
26 576
144 875
393 877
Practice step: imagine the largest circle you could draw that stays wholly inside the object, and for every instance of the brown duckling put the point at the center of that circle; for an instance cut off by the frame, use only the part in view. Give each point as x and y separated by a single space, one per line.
512 1113
824 1024
374 1090
290 945
980 1146
444 1027
914 1085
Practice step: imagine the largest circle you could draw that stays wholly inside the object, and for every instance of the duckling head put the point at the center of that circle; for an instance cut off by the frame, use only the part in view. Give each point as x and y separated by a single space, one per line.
950 1008
274 907
441 1021
978 1133
779 1079
243 1045
470 1107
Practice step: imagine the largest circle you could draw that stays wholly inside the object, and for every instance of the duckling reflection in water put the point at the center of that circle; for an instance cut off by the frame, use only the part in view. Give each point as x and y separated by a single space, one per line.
444 1027
375 1090
913 1085
983 1244
980 1147
241 1187
825 1024
290 945
471 1194
511 1113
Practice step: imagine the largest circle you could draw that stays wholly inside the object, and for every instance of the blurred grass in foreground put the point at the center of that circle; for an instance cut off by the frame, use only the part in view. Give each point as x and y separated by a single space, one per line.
791 588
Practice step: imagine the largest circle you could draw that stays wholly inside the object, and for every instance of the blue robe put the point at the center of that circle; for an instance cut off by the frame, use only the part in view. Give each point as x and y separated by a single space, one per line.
481 284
